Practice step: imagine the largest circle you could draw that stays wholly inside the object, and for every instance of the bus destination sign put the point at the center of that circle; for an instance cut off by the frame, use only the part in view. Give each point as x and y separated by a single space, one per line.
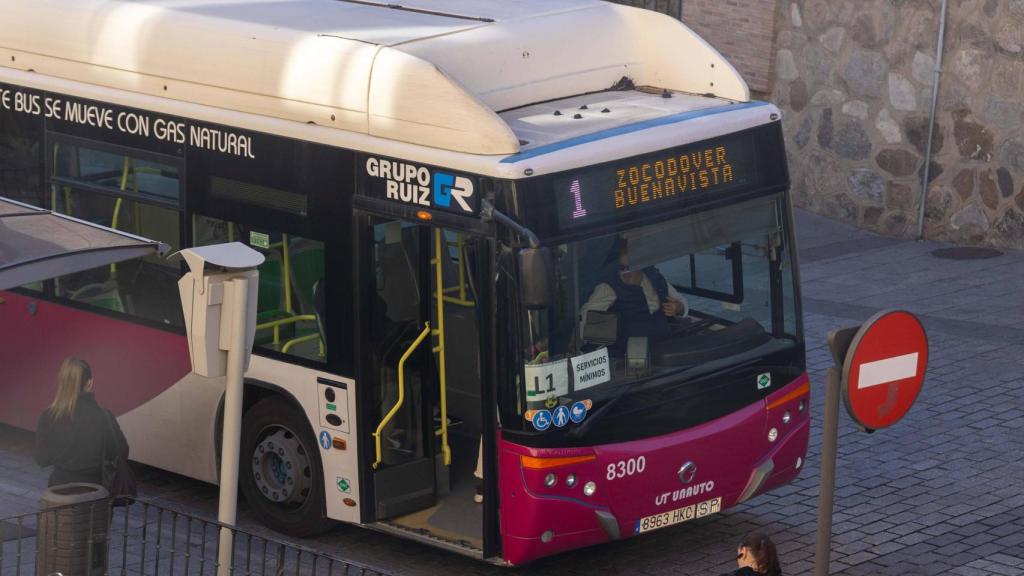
418 186
654 182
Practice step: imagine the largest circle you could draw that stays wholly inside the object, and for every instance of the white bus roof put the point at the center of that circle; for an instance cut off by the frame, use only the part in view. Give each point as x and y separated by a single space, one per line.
448 74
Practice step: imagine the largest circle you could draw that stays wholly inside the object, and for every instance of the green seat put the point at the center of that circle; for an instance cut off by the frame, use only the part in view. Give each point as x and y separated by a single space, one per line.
307 268
105 295
270 299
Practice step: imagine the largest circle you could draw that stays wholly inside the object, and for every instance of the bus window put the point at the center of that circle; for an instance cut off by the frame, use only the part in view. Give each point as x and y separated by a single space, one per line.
673 297
291 305
20 158
21 163
129 193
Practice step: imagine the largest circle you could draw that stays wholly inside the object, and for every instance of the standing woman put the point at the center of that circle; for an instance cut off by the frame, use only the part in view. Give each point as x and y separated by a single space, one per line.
75 434
756 556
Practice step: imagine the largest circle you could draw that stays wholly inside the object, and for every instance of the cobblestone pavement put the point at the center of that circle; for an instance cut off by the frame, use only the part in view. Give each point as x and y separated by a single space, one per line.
942 492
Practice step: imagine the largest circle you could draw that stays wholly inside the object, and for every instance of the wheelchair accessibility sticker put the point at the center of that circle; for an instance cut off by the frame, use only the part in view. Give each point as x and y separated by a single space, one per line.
541 420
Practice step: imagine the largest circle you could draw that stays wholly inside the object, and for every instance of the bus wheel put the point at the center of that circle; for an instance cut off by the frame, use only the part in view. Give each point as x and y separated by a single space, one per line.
280 473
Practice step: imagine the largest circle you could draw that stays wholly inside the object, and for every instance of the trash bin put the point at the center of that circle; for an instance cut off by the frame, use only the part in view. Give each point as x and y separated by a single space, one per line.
72 537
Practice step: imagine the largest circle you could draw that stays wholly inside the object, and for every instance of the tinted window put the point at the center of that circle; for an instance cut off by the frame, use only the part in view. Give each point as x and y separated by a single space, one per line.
138 194
292 302
21 162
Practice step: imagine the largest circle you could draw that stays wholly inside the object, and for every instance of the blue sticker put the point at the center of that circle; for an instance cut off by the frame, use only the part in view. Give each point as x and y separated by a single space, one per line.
325 440
561 416
542 420
578 412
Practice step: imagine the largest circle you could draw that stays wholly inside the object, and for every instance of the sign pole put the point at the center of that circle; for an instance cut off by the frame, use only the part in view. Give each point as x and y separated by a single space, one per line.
879 369
218 301
228 506
827 485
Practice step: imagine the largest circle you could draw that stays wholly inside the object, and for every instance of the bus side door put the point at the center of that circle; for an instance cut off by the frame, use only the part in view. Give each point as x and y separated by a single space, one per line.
420 372
397 365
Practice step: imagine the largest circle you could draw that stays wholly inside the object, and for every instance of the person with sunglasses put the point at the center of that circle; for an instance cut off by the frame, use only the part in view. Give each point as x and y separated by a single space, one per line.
756 556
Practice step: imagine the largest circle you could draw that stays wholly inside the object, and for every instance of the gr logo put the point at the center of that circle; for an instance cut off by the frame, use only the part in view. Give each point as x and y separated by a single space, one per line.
420 185
447 186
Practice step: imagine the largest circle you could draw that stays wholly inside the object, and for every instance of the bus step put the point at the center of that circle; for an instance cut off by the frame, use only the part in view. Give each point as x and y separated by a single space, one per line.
459 546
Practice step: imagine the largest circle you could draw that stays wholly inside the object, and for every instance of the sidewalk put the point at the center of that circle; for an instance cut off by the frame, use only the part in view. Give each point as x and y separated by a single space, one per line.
942 492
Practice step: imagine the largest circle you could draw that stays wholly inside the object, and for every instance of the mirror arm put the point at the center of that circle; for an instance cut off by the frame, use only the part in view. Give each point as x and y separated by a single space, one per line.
489 212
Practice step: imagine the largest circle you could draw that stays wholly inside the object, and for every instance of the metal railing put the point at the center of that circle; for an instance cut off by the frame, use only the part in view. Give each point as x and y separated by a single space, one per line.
140 538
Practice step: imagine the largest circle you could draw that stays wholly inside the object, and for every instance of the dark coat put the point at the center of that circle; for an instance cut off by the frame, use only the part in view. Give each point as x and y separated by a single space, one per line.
635 317
75 446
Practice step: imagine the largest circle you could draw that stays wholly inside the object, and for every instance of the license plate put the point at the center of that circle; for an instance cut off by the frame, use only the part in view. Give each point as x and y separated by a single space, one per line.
678 516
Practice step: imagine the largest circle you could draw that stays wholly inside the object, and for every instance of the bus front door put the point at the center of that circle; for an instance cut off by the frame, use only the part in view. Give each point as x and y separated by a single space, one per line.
425 410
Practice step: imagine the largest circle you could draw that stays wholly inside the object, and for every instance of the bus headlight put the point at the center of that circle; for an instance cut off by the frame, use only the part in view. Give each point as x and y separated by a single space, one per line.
550 480
589 488
570 480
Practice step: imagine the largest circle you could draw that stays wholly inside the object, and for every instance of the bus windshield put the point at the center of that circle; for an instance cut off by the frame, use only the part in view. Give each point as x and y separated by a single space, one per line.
652 308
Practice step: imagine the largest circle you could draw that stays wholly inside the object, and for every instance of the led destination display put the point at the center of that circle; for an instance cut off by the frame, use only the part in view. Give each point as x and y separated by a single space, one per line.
655 182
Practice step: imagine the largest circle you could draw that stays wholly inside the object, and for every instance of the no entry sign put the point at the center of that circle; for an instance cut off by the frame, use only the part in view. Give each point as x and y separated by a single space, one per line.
884 368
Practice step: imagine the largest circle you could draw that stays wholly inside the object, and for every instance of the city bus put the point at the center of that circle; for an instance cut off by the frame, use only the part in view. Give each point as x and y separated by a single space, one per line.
530 279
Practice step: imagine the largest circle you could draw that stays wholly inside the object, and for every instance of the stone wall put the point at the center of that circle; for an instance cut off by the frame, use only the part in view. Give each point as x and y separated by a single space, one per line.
854 78
742 30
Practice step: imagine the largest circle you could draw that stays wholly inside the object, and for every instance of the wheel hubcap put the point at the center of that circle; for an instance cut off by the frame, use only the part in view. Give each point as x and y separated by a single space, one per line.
280 466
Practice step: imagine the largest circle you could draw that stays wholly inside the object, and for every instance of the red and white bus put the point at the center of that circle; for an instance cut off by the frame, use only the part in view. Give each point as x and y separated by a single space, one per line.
542 247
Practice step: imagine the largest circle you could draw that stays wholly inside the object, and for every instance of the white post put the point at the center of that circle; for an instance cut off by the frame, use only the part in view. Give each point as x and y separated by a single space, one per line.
232 422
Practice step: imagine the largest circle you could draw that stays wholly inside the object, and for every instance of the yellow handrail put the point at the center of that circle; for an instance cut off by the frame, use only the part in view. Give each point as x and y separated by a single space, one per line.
288 345
287 275
460 248
439 349
457 302
276 324
117 206
401 391
461 300
288 320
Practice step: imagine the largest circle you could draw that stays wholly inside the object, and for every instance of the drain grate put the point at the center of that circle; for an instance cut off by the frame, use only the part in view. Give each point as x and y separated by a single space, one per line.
966 253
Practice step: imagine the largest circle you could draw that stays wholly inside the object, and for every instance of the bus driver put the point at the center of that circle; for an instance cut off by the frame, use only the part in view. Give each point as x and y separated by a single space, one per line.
643 300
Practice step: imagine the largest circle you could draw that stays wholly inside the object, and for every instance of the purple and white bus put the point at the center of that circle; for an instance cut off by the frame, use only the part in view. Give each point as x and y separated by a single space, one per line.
530 279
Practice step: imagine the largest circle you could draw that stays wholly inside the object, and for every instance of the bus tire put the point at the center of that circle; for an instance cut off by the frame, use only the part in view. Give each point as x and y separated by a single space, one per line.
280 473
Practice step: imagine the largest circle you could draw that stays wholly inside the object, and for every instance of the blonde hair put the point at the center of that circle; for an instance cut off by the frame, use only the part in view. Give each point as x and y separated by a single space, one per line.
71 380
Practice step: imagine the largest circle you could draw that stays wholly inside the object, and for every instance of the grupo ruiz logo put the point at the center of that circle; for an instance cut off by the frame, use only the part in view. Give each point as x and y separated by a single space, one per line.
412 184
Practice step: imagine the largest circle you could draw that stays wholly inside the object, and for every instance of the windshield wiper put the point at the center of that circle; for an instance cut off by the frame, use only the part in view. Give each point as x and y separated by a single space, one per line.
582 429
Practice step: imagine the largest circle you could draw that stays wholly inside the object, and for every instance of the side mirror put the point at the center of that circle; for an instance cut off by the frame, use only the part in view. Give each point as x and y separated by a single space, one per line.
536 274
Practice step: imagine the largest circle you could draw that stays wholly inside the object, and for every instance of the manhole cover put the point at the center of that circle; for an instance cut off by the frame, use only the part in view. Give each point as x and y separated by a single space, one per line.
966 253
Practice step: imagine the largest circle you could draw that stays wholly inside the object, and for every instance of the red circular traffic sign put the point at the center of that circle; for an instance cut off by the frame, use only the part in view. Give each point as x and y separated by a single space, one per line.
884 368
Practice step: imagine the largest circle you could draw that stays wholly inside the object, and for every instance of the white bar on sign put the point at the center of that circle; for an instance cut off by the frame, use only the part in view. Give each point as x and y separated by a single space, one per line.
888 370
